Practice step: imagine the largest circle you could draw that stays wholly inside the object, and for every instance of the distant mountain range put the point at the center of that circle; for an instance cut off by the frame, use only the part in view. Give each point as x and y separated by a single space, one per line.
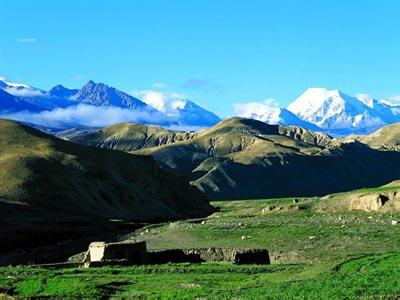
335 111
16 97
317 109
331 111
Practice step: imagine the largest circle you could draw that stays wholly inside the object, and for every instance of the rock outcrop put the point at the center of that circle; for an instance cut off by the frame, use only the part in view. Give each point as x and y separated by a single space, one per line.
384 199
368 202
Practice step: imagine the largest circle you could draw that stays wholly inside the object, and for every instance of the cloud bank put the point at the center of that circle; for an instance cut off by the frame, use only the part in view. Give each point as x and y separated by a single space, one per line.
83 115
256 110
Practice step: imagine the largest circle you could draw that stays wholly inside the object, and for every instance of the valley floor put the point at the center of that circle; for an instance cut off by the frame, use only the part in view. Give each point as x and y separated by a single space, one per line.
314 255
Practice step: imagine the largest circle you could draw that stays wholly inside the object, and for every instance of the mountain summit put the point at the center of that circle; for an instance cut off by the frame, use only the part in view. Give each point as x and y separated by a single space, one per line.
335 110
277 116
317 109
61 91
100 94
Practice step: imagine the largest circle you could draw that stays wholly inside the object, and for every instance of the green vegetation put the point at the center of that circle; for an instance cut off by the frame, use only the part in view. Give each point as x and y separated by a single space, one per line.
294 233
318 248
316 255
372 276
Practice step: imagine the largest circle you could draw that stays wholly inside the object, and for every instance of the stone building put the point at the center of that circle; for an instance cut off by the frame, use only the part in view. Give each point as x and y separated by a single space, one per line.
122 253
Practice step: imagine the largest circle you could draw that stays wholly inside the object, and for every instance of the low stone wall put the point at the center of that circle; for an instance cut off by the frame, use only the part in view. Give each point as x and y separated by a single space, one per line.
172 256
236 256
100 254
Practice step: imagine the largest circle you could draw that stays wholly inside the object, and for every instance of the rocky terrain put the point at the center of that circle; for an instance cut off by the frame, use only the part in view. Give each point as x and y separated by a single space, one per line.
382 199
244 158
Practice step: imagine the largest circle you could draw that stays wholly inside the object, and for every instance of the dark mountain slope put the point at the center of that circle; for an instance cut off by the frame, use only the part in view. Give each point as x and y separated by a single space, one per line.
57 189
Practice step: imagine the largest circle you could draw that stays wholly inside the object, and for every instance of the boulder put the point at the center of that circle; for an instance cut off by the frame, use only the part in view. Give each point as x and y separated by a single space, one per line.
368 202
267 209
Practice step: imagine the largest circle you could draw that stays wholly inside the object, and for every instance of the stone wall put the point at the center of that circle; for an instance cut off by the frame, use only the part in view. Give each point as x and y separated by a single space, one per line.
101 253
236 256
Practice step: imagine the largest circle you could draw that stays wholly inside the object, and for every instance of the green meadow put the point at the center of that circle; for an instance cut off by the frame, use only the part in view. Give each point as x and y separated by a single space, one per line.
320 255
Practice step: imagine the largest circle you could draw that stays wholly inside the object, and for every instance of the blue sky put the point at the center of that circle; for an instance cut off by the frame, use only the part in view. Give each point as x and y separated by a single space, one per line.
215 52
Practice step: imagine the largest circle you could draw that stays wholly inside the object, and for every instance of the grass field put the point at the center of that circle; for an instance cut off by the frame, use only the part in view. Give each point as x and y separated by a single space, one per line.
315 255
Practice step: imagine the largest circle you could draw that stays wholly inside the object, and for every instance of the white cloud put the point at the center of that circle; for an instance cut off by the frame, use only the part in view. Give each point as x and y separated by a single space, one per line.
266 110
20 89
392 100
27 40
88 115
251 108
168 103
23 91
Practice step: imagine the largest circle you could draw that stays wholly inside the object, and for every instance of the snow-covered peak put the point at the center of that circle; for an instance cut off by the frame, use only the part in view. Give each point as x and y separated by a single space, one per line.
333 109
271 114
19 89
368 100
13 84
315 99
177 108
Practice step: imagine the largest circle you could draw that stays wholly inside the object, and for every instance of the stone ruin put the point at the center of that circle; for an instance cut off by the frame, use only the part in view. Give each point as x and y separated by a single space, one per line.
101 253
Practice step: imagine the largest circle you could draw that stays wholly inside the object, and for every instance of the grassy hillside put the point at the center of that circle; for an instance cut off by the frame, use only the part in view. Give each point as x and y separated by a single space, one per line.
364 199
243 158
387 138
52 189
315 254
129 137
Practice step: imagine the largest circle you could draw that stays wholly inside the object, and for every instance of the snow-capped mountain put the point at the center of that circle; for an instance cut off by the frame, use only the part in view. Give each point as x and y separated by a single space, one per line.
189 112
181 110
334 110
388 112
19 89
34 96
64 103
277 116
317 109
